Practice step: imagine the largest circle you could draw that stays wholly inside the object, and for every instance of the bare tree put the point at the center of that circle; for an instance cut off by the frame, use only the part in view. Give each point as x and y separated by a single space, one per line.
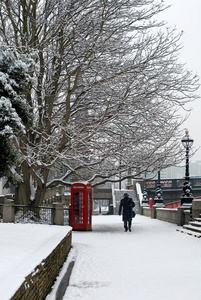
108 88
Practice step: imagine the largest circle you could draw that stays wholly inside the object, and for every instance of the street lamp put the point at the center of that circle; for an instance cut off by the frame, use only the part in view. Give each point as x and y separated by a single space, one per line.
120 166
158 200
145 200
187 196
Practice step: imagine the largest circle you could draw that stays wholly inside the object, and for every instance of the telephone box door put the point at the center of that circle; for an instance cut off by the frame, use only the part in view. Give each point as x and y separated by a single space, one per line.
81 206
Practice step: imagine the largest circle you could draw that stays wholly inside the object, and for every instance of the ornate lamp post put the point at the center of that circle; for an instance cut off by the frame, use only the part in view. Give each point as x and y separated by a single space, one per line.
145 200
158 193
187 196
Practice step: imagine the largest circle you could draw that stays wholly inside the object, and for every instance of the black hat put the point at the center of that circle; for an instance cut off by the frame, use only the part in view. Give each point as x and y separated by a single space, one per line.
125 195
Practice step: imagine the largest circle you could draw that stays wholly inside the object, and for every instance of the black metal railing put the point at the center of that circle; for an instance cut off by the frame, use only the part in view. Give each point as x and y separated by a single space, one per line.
173 184
66 216
36 214
33 214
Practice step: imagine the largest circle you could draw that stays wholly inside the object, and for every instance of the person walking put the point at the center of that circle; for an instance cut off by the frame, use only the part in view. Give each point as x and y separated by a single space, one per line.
126 204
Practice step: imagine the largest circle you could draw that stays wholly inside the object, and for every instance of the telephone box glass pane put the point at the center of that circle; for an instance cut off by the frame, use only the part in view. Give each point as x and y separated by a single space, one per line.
89 208
78 207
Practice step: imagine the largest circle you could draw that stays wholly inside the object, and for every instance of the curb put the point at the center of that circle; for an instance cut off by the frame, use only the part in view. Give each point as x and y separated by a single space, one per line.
64 282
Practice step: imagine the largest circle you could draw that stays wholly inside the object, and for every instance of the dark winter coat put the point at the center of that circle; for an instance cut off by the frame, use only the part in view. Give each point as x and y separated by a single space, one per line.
127 204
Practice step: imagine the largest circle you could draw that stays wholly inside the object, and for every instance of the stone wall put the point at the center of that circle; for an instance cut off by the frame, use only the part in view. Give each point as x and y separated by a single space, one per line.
196 208
179 216
146 211
38 283
167 214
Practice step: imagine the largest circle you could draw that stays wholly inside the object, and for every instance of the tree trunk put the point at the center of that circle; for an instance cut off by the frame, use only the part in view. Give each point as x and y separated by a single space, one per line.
39 197
22 194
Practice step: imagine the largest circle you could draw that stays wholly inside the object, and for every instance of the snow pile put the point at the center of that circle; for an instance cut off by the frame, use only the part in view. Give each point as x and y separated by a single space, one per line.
22 248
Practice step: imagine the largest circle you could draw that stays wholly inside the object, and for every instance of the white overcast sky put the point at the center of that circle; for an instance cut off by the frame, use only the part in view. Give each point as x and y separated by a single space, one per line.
185 15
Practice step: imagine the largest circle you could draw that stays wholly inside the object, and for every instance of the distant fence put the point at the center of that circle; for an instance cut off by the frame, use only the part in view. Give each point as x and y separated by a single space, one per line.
58 214
33 214
173 184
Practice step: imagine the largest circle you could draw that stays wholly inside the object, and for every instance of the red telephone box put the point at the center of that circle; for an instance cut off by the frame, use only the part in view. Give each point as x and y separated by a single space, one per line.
81 206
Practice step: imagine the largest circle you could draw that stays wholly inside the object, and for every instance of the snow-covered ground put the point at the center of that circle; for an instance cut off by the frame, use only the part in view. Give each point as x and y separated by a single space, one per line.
22 248
153 262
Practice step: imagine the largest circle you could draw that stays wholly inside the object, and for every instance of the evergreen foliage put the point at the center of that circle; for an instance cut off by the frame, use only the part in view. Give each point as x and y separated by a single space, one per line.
14 111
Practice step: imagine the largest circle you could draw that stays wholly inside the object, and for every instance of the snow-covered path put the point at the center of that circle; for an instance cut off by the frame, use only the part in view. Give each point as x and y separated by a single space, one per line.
154 261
